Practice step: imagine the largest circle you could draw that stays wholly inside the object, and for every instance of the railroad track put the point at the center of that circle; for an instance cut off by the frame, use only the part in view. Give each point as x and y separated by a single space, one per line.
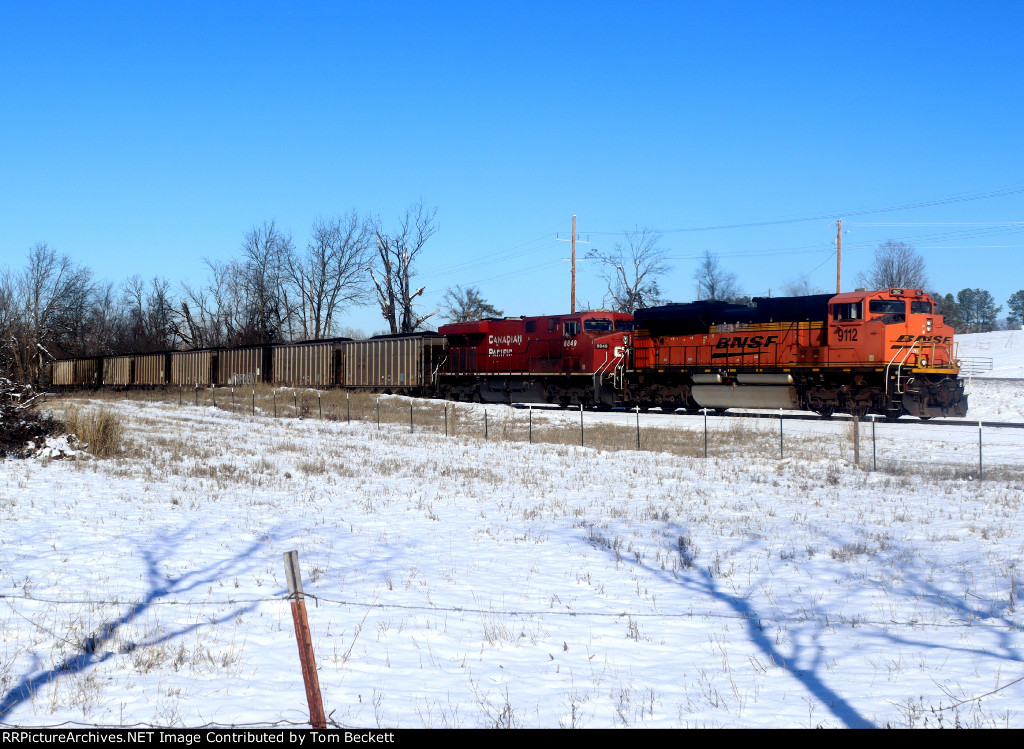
791 416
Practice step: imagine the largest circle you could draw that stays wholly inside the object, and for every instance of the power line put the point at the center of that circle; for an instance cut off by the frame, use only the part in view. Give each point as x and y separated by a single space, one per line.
999 192
937 223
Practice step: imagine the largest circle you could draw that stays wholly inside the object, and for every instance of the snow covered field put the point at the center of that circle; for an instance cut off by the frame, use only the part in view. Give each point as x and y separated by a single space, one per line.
1004 347
469 583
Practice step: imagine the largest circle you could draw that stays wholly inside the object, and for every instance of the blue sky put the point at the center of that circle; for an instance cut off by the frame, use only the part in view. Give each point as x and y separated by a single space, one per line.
141 138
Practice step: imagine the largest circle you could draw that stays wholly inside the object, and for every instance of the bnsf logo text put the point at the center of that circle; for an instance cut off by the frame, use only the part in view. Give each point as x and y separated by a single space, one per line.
924 339
754 341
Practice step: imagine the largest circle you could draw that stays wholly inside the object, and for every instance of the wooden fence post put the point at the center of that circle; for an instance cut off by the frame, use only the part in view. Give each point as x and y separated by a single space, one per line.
705 432
856 441
780 434
874 446
305 641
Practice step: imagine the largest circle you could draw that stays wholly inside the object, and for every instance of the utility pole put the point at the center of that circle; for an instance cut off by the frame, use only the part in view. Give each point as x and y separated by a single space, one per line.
839 252
572 302
572 298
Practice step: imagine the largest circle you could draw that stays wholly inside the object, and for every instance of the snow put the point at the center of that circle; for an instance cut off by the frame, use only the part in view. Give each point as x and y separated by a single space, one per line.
57 448
1004 347
469 583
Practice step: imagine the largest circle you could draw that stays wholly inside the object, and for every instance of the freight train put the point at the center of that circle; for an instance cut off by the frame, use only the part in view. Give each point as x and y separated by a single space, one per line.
866 352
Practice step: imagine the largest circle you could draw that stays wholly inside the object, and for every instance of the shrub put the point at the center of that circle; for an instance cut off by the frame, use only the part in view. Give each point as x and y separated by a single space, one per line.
99 430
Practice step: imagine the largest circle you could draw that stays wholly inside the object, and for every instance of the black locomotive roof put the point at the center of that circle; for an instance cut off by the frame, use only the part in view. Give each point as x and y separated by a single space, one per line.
693 318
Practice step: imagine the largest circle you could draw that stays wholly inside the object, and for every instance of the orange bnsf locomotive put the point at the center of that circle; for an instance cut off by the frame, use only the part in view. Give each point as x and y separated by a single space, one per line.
880 352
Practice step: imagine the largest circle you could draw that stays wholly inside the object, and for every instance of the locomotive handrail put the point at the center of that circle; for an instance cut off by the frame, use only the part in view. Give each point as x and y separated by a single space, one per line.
437 369
909 350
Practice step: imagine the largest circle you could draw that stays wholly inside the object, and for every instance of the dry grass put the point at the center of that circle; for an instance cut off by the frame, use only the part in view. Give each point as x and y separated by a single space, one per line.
747 438
100 430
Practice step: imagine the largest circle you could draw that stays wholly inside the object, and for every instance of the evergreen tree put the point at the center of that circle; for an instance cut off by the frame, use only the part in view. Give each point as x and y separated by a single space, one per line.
978 310
950 311
1016 306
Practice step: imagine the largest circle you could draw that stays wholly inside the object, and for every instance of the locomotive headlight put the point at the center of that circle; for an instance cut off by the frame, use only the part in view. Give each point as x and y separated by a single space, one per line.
928 325
924 361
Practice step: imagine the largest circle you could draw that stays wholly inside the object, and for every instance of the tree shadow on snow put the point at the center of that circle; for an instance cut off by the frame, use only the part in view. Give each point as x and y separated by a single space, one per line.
701 581
161 586
992 616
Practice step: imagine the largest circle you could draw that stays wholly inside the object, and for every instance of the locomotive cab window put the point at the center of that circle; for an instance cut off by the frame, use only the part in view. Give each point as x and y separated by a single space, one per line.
891 310
531 326
621 325
598 326
848 311
920 308
571 328
553 324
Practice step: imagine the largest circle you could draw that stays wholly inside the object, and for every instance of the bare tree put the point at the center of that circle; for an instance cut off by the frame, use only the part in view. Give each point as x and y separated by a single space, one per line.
631 270
897 265
464 304
331 275
392 274
50 300
267 253
714 281
152 323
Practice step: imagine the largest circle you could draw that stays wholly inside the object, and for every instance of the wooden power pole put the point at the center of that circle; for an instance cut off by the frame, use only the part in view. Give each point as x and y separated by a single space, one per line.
839 252
572 296
572 300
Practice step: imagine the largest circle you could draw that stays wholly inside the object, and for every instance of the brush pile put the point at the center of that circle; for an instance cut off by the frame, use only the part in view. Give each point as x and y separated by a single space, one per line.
23 429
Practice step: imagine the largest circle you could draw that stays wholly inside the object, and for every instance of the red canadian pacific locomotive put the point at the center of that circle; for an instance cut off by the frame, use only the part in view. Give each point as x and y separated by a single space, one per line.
883 352
565 359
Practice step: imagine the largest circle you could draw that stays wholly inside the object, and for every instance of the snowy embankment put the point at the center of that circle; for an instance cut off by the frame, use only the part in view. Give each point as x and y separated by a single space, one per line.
1005 349
464 582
